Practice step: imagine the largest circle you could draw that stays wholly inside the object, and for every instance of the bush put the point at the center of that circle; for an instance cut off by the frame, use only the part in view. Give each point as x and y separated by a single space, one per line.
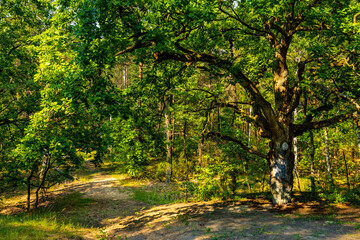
342 196
214 181
161 171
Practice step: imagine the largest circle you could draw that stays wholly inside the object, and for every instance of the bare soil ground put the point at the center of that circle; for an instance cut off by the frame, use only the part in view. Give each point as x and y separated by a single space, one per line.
112 213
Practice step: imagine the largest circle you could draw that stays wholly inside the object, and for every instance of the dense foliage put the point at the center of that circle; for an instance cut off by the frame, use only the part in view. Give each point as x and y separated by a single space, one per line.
219 94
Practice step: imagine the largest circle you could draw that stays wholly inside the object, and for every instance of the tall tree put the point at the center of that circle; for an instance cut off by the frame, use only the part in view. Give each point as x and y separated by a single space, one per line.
253 44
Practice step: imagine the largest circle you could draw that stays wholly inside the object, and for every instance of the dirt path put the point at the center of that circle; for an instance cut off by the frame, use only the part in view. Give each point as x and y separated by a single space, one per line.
109 211
121 217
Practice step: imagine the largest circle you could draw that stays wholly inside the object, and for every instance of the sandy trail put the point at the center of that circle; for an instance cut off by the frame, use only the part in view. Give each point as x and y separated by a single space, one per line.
112 213
122 217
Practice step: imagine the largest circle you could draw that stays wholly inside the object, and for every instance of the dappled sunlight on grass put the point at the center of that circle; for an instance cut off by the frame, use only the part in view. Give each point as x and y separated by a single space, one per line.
39 226
103 204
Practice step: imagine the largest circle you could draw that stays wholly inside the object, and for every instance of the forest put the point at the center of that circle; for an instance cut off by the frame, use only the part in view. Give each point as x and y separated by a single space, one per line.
224 99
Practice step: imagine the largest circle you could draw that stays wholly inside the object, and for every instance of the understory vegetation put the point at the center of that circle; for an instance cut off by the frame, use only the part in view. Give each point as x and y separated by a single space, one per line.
208 99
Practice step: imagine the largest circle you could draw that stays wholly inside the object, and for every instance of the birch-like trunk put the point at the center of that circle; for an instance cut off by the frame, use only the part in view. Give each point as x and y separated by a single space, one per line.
281 170
296 155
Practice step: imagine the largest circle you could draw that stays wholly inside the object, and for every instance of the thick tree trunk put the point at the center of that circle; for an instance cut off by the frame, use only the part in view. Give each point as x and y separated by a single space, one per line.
281 160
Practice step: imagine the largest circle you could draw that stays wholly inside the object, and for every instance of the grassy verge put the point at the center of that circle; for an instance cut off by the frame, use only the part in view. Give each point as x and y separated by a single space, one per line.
39 226
156 197
47 222
157 194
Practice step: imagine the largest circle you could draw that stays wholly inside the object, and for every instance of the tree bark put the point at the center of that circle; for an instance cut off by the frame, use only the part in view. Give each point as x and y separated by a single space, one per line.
346 171
312 156
281 159
358 136
248 128
140 77
28 183
168 145
185 152
42 177
328 161
296 156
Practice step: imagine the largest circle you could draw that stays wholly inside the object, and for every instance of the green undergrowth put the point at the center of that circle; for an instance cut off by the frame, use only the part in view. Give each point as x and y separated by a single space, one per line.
342 196
48 221
158 195
339 195
37 226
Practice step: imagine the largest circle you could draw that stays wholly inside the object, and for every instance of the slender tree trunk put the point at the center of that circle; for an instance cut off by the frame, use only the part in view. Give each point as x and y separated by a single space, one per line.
185 152
312 156
168 147
358 136
328 160
125 76
28 182
41 186
312 153
263 181
296 154
296 159
140 77
248 133
346 171
202 141
248 128
200 150
42 176
354 162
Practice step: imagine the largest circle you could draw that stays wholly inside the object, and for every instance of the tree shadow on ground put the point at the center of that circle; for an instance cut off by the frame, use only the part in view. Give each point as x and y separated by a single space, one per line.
227 220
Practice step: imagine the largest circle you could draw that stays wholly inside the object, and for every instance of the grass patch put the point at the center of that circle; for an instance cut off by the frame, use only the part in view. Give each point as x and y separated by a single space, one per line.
71 201
47 222
37 226
157 196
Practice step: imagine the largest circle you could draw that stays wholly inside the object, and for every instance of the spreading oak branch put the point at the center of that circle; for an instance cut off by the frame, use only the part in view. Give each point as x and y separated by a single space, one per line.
304 127
231 139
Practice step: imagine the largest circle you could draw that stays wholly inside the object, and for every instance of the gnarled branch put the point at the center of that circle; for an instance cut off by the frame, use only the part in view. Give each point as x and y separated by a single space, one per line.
301 128
231 139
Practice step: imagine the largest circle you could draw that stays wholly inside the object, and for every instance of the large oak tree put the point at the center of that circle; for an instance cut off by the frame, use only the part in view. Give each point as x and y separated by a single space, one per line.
279 52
